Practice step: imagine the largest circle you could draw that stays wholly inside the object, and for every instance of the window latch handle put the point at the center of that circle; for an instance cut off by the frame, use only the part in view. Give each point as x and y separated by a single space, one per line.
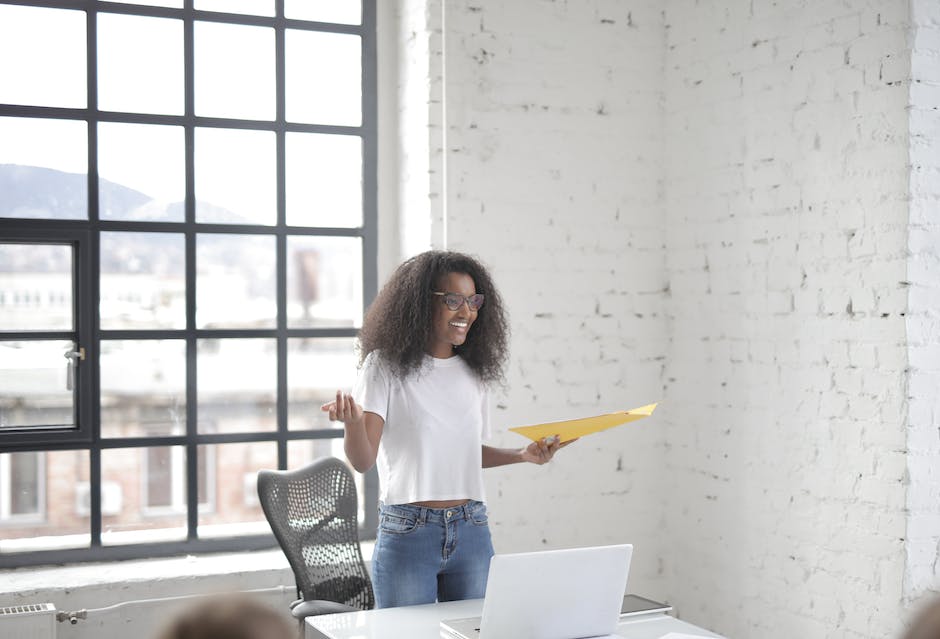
74 357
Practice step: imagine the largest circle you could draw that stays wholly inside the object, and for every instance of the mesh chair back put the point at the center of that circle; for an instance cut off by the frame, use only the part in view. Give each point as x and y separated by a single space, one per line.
313 512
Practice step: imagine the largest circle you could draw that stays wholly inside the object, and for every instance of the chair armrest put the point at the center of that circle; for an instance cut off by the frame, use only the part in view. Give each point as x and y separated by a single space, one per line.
301 609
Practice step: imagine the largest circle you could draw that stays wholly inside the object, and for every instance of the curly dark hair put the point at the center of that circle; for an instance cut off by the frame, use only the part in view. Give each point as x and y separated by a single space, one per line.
399 321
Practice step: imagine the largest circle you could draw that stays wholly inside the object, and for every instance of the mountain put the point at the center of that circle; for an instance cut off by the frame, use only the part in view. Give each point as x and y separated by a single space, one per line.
35 192
32 192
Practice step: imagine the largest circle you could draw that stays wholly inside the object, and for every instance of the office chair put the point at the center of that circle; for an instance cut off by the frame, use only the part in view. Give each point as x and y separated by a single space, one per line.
313 512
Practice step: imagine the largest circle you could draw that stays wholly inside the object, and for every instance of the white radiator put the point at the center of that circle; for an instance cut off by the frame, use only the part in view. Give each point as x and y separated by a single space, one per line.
32 621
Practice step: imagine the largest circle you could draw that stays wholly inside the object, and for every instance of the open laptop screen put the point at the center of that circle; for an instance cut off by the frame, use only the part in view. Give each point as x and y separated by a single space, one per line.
553 594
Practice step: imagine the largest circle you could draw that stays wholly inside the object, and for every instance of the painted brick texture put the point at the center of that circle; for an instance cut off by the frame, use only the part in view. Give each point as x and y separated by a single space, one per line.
923 322
785 197
554 180
730 207
417 127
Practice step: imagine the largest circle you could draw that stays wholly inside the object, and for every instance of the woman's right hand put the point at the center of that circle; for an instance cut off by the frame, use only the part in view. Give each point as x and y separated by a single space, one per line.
343 409
363 431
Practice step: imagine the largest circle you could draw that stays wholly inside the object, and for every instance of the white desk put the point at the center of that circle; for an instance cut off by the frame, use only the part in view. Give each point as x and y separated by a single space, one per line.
423 622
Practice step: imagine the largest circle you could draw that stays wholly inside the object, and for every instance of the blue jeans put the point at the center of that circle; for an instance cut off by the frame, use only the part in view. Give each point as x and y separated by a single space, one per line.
423 555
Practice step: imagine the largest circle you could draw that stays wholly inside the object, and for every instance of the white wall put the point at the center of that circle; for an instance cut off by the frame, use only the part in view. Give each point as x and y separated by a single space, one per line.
553 180
923 320
137 598
392 109
786 134
709 203
786 212
414 103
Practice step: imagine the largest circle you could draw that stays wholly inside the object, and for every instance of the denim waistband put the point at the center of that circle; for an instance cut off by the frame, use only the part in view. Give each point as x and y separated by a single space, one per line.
435 515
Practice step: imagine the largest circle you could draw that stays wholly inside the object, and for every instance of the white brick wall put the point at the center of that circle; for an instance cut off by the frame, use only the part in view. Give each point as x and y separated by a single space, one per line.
786 183
554 181
923 321
414 111
139 598
713 204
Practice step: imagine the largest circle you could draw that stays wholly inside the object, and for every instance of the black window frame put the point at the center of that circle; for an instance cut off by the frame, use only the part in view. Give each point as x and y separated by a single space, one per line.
84 235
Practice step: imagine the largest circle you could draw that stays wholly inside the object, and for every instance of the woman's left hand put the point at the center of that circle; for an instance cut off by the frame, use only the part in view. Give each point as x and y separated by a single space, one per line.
542 451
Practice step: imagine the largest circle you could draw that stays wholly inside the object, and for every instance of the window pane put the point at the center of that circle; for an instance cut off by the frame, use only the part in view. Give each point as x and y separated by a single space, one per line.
142 280
26 480
341 11
43 168
235 176
324 180
301 452
235 281
143 388
253 7
34 390
44 57
232 507
62 498
316 369
143 495
237 382
324 281
35 287
140 64
323 77
142 169
234 71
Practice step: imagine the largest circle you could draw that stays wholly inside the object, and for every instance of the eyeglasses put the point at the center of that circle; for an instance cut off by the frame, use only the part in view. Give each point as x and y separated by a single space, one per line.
453 301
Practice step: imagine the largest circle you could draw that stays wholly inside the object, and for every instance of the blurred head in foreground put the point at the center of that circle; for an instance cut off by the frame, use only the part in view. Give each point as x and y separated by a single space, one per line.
228 617
926 623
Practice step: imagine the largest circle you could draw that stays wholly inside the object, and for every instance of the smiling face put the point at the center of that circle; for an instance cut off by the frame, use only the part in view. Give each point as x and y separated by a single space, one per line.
450 328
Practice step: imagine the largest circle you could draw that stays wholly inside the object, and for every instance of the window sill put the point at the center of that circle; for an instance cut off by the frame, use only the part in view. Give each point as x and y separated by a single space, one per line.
190 574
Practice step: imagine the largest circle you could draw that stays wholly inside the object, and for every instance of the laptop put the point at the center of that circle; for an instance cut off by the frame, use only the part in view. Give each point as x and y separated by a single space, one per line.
554 594
635 605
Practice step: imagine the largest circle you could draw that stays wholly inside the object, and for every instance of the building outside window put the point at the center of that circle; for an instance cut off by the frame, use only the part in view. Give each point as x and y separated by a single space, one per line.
187 244
22 489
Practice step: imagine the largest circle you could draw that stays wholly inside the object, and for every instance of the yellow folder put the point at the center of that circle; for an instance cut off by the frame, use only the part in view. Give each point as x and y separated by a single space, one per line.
574 428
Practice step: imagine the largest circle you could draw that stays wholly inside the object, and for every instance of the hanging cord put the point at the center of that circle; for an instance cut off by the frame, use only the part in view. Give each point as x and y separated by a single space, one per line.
73 616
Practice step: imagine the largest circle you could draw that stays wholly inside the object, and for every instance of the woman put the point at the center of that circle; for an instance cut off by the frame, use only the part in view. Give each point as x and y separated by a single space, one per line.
432 342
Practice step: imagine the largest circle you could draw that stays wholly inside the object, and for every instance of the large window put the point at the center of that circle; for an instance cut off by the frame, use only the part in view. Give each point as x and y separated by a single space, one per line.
187 243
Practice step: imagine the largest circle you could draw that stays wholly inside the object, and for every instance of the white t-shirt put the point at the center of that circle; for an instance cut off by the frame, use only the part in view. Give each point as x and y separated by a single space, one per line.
436 420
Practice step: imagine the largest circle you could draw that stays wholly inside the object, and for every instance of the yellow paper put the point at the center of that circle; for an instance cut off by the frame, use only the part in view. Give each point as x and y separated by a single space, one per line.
574 428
